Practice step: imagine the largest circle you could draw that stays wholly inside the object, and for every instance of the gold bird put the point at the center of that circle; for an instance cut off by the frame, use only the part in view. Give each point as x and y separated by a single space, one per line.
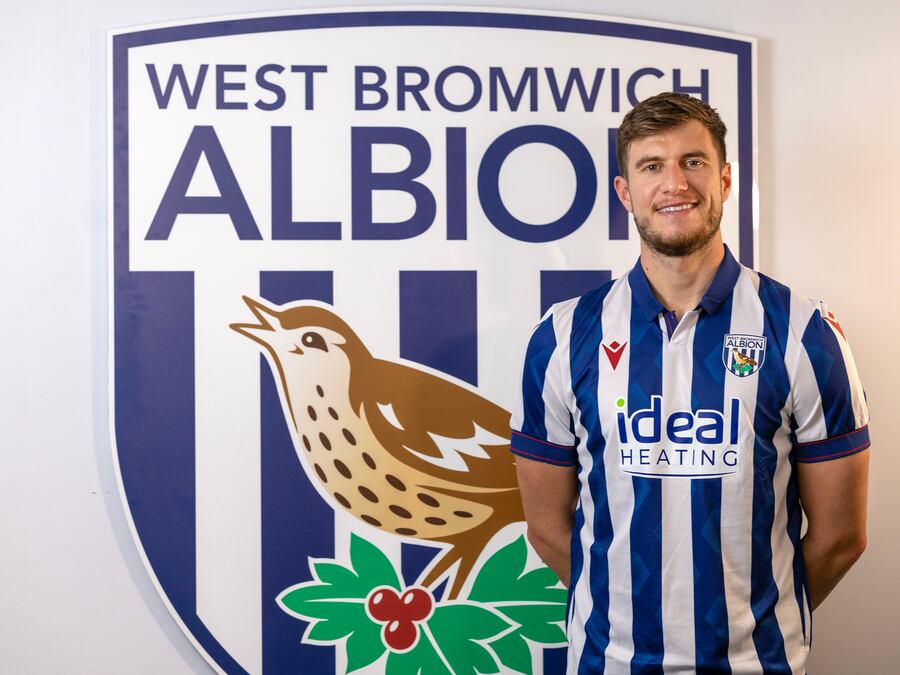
402 449
743 359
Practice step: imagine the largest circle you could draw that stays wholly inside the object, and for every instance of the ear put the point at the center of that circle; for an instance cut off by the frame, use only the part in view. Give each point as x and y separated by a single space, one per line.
726 181
621 186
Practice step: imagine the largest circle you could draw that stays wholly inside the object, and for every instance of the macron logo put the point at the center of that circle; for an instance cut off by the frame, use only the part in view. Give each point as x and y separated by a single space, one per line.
614 352
832 319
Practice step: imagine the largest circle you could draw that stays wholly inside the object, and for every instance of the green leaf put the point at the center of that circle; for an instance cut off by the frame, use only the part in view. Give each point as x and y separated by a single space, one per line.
513 652
327 630
347 616
471 621
340 577
334 602
537 622
372 566
420 660
534 602
501 579
364 646
296 598
496 578
543 584
459 629
335 619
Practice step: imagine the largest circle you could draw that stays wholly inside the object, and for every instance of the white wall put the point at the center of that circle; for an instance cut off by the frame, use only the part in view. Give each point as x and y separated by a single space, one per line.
75 597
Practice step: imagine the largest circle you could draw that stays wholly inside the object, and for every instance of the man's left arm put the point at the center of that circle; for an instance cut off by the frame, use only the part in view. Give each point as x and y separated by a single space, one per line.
833 495
832 441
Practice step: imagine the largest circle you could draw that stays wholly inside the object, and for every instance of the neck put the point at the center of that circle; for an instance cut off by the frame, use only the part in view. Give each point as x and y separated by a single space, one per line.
680 282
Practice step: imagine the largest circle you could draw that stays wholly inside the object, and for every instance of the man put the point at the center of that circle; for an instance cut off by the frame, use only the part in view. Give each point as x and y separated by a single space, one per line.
674 425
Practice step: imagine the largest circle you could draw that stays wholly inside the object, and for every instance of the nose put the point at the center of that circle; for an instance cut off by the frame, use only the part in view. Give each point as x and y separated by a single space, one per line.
674 179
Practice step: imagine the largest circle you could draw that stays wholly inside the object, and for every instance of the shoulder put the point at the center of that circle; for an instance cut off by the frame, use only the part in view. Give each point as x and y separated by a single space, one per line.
780 300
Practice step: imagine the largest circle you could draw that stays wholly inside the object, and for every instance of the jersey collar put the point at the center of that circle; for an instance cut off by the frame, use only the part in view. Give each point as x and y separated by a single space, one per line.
721 287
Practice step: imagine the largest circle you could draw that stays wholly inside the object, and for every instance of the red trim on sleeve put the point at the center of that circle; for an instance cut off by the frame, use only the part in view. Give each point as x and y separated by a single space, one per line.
539 440
834 447
541 459
845 453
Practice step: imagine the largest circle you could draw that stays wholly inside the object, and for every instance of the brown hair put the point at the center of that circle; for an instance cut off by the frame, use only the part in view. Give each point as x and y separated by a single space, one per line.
665 111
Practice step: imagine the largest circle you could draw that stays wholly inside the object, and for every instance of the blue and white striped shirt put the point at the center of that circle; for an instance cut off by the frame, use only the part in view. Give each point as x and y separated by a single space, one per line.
686 541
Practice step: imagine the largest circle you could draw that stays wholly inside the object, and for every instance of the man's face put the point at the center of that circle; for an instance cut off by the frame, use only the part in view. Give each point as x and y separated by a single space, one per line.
675 188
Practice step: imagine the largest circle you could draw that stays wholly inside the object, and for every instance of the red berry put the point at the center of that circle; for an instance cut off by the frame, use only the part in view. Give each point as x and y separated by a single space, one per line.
383 604
400 635
416 604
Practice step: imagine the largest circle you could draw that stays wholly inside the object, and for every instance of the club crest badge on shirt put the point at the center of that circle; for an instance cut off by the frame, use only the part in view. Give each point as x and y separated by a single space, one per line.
743 355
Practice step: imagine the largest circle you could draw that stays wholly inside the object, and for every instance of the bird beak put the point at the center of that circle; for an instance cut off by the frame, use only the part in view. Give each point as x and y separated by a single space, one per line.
259 332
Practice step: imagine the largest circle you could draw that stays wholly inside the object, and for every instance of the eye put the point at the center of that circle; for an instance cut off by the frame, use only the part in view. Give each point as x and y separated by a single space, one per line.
693 163
651 168
314 341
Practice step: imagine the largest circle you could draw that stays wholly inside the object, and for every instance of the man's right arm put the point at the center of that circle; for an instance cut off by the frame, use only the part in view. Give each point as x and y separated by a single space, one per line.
549 496
543 440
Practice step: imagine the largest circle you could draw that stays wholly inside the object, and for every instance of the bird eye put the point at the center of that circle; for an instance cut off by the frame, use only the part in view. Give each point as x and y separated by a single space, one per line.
314 341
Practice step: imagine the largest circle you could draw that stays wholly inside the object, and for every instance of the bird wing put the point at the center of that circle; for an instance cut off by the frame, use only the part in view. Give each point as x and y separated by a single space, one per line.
439 427
743 359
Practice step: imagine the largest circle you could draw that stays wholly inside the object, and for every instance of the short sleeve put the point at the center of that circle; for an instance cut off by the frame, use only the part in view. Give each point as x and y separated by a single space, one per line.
541 422
830 410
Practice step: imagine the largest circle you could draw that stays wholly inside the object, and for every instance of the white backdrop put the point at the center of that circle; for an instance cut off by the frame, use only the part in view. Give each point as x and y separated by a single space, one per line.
75 596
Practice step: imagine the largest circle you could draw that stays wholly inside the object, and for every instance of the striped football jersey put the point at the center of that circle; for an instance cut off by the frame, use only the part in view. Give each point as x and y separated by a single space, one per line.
686 436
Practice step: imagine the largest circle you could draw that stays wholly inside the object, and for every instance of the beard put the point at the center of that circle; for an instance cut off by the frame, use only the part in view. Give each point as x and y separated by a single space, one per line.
684 244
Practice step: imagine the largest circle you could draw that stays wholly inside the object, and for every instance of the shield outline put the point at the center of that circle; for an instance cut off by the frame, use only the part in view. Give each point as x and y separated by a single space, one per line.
120 41
727 353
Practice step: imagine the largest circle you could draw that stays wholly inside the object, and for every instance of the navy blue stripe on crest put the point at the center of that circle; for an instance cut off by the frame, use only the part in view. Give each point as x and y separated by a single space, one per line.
559 285
439 321
708 393
771 396
438 328
824 352
645 375
155 431
296 522
586 335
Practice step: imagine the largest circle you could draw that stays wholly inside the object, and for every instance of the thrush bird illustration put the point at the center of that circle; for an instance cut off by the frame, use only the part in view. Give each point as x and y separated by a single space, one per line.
743 359
402 449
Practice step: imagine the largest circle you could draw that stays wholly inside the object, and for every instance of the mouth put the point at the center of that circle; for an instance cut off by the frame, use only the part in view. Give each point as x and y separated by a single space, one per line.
676 207
256 331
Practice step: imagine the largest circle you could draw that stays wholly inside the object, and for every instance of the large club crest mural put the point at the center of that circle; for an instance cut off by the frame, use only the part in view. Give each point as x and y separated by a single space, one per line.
331 234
